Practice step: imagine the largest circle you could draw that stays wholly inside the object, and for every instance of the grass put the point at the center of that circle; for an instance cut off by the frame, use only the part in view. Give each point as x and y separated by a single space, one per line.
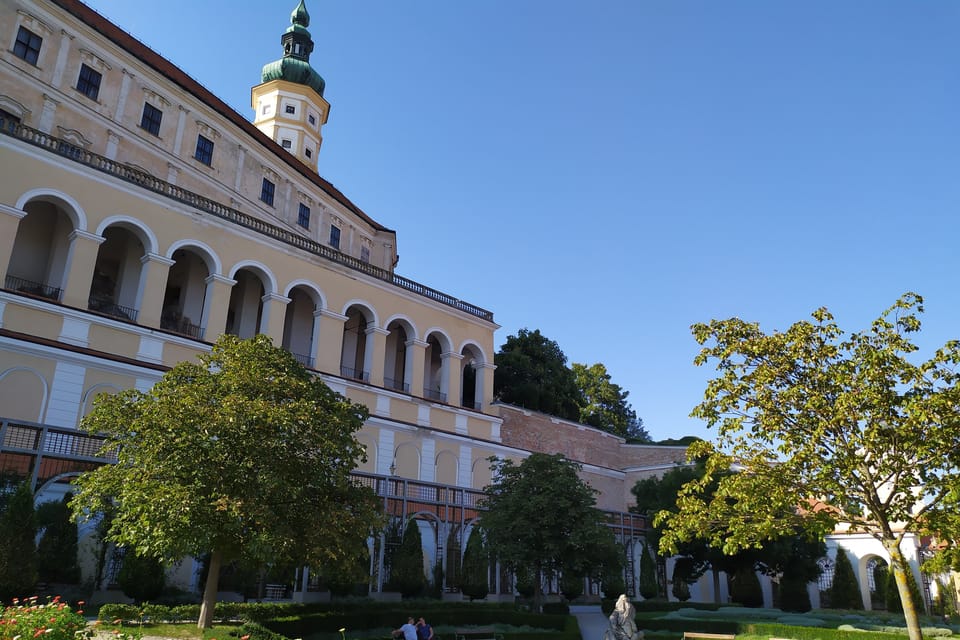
180 631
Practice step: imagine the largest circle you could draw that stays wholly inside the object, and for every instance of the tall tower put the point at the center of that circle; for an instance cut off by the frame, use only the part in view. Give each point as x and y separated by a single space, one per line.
289 102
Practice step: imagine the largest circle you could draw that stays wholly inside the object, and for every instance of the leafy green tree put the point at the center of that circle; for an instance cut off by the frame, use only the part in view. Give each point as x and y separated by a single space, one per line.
243 455
604 405
894 602
57 549
532 373
474 579
571 584
454 553
540 516
679 586
649 585
407 574
794 595
812 412
844 593
18 530
141 577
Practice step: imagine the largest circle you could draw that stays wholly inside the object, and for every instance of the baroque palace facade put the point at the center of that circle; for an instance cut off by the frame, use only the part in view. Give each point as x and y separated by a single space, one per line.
141 217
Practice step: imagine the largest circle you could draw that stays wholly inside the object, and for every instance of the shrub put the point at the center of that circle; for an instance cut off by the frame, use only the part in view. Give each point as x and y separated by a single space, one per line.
845 591
474 581
794 595
894 604
680 588
406 574
57 549
571 586
745 587
140 577
54 620
18 529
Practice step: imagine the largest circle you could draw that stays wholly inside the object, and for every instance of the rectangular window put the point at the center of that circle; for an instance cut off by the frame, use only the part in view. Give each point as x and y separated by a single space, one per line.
27 45
290 109
204 150
266 109
286 144
311 119
266 191
334 237
88 83
150 121
364 254
8 121
303 216
308 152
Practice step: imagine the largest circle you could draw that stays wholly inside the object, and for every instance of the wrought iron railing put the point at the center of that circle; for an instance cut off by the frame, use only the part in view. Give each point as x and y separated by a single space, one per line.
182 326
33 288
398 385
433 394
143 179
303 359
113 309
355 374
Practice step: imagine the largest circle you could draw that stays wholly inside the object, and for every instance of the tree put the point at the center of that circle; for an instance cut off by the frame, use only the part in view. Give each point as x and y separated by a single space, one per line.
141 577
18 530
604 405
680 588
649 585
745 587
532 373
844 593
57 549
811 414
407 574
474 579
541 517
244 455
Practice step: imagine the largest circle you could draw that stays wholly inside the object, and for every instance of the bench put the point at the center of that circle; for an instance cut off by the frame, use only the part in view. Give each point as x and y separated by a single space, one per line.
477 633
693 635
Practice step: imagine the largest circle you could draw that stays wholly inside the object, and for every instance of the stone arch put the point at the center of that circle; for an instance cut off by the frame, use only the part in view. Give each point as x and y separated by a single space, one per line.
480 474
407 458
316 293
86 402
368 310
472 373
144 233
301 320
398 358
436 365
119 271
187 293
72 208
447 464
201 249
23 394
262 271
356 349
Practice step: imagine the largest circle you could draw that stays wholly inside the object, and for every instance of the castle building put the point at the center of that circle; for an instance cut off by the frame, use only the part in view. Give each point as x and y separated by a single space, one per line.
141 217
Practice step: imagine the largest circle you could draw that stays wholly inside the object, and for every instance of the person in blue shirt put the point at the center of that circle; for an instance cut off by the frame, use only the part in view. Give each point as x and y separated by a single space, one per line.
408 631
424 631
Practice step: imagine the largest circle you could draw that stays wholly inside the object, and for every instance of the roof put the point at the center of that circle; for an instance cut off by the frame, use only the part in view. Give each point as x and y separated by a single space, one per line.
176 75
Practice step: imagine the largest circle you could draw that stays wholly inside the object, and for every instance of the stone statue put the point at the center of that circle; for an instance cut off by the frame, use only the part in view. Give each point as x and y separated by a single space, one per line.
623 625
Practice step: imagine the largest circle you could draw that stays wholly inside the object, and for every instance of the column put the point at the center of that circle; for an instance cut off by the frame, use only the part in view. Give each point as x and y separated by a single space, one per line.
484 393
271 320
328 348
9 221
178 138
413 368
81 260
375 353
126 78
153 284
241 154
450 376
61 63
215 305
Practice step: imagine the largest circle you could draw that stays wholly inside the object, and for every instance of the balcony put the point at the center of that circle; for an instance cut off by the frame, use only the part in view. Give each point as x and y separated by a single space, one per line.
431 394
183 326
397 385
355 374
38 289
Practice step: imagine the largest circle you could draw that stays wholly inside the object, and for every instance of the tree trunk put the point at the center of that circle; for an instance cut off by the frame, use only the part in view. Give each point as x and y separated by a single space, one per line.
538 591
210 591
900 568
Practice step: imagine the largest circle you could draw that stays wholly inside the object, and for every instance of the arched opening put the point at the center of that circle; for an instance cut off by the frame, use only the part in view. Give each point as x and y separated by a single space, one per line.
877 574
116 274
354 349
185 294
434 368
471 379
245 311
395 363
299 324
41 249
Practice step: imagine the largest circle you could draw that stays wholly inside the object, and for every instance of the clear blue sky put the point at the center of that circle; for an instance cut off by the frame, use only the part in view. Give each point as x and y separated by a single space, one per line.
611 172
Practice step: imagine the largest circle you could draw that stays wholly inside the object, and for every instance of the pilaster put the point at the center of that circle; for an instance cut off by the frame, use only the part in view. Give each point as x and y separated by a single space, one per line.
153 284
376 352
216 303
271 321
81 261
10 218
415 364
330 345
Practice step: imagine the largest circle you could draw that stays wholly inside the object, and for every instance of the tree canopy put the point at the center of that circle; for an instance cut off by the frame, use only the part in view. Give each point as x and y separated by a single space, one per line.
532 372
244 455
827 428
540 518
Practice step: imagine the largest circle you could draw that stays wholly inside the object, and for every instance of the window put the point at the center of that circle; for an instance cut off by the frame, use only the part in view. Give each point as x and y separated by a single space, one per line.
308 152
335 237
266 109
88 83
204 150
266 191
311 119
290 109
150 121
364 254
286 144
303 216
27 45
8 121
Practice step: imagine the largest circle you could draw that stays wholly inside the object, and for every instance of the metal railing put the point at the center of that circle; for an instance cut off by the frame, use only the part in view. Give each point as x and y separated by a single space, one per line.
113 309
183 327
143 179
355 374
398 385
432 394
22 285
303 359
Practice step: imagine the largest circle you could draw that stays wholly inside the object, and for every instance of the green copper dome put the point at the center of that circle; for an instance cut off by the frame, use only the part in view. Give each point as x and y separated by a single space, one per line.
294 66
